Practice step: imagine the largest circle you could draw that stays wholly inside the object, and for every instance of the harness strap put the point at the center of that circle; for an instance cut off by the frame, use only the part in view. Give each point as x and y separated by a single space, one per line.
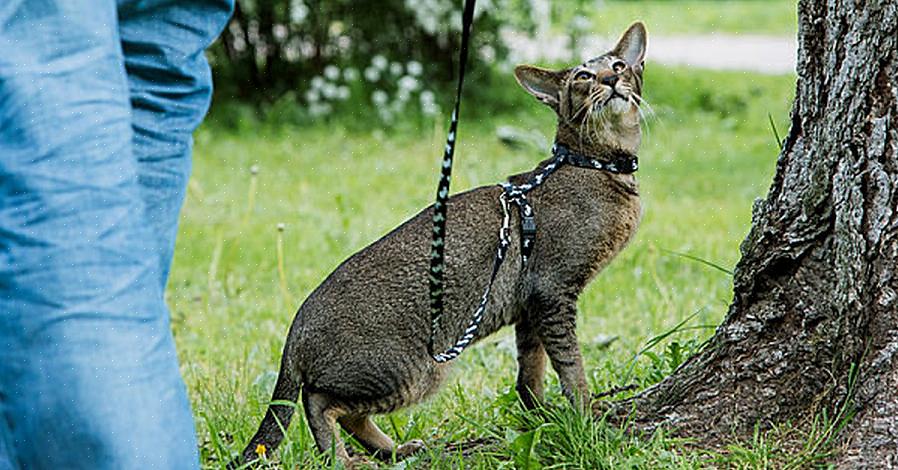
620 162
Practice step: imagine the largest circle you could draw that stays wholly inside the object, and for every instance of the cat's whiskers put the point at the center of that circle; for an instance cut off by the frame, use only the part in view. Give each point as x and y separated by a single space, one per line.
596 108
590 104
586 106
643 105
598 111
645 110
594 124
583 131
642 116
634 101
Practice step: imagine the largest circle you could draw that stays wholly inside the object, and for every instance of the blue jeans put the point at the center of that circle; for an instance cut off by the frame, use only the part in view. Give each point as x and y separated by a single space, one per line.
98 101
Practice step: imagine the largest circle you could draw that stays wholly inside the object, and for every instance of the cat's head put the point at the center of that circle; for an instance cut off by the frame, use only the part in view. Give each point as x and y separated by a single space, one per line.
599 99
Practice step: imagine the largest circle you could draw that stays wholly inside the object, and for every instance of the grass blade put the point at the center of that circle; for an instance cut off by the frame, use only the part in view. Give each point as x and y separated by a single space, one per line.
779 142
700 260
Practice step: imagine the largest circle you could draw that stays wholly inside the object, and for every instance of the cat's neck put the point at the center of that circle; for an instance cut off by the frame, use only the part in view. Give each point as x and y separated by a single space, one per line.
612 137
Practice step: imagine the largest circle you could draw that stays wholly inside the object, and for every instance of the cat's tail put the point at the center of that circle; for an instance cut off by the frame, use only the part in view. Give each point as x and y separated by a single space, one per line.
277 418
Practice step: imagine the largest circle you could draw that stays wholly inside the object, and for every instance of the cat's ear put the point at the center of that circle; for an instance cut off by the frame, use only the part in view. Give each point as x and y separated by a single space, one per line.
631 46
544 84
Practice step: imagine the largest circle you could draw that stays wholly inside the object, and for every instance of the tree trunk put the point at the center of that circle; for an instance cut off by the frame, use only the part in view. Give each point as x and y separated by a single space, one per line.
814 319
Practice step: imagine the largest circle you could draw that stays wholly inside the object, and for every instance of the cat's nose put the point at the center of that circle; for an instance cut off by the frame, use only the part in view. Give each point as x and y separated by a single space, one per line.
610 80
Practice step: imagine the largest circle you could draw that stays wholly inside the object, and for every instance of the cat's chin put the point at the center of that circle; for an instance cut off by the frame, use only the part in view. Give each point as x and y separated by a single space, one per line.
618 105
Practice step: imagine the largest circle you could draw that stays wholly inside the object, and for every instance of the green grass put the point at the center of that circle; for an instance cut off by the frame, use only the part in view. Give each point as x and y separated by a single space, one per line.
775 17
707 154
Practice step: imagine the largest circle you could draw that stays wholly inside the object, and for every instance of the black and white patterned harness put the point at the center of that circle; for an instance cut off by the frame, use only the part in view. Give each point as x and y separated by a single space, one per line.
616 162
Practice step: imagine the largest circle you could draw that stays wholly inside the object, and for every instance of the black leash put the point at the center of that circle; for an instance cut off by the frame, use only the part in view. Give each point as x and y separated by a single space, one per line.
438 245
617 162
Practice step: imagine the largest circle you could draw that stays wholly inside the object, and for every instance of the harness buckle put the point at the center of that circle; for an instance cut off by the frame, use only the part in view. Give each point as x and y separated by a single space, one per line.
528 226
528 236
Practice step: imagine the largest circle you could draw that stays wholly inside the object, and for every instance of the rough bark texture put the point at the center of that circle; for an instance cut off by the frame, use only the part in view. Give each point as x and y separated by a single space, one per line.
816 290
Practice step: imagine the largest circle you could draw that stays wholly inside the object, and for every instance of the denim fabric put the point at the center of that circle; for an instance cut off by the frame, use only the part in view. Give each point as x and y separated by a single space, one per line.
98 101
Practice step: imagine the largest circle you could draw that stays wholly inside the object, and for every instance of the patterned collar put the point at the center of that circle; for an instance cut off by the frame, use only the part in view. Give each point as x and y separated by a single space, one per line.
615 161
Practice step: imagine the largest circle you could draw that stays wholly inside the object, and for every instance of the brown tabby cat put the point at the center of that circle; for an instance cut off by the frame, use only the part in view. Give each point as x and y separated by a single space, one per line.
358 345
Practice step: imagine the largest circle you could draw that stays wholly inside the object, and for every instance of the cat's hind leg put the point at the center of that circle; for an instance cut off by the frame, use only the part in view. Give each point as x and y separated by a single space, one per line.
322 415
376 441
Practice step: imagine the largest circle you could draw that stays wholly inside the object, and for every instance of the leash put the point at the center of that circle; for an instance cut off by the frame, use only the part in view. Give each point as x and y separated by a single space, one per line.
619 162
437 244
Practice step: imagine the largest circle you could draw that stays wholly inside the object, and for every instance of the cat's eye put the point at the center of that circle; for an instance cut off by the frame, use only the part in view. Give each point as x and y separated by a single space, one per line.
584 75
618 66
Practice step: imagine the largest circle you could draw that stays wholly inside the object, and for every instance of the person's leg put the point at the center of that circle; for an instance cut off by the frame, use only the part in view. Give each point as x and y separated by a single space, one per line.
6 454
88 372
171 85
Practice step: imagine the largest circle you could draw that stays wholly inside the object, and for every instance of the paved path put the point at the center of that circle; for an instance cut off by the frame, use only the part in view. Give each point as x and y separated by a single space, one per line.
765 54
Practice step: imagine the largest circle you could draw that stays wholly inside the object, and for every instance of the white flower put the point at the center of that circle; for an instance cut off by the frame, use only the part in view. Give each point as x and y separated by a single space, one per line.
379 62
455 18
279 32
439 16
329 90
379 97
408 83
396 68
342 92
429 23
298 11
488 53
350 74
291 52
343 42
372 74
426 97
312 95
430 108
317 82
414 68
402 95
332 72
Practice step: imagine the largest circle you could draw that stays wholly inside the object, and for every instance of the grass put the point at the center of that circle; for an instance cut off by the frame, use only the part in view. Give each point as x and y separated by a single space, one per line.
665 17
238 279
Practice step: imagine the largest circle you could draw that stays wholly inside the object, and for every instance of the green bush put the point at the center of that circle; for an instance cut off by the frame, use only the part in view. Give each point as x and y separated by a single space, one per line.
393 54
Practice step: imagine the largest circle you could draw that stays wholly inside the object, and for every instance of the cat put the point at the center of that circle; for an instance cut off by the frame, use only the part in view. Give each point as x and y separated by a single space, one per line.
358 345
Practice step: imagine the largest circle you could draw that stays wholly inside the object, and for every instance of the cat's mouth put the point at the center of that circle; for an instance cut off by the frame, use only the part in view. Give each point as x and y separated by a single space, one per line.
615 94
611 97
616 105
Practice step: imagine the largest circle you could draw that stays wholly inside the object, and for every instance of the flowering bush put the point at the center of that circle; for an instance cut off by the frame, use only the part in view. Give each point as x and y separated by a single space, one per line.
391 88
394 55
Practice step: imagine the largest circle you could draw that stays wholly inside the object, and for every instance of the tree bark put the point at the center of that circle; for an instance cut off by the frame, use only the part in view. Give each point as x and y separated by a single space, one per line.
814 319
